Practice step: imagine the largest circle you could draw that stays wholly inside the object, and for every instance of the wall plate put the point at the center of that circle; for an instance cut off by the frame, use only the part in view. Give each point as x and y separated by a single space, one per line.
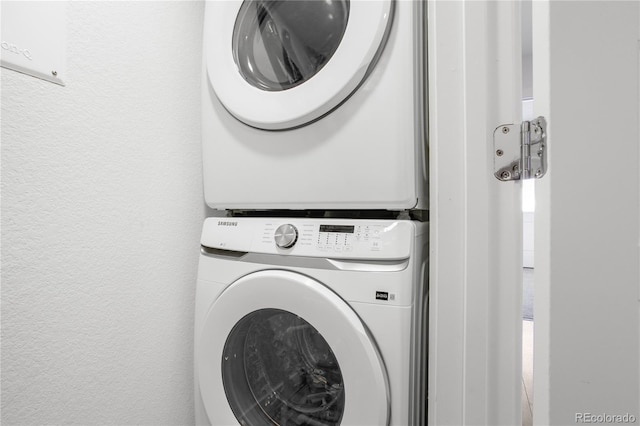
34 38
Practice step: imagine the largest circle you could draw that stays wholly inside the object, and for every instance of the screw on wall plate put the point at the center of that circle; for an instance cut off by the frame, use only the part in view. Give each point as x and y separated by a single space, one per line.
505 175
54 73
499 153
505 130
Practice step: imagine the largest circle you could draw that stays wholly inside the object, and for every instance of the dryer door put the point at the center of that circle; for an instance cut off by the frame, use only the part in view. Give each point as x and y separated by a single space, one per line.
281 348
279 64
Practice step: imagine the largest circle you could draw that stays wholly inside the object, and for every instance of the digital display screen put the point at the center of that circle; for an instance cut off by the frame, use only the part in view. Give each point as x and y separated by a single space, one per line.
337 228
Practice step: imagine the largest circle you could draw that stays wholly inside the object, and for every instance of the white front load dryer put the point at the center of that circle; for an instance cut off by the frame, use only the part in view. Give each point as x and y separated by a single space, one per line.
311 322
314 104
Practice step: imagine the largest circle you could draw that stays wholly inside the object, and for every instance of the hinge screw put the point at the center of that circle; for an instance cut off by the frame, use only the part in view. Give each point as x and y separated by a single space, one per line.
538 173
505 130
516 168
499 153
505 175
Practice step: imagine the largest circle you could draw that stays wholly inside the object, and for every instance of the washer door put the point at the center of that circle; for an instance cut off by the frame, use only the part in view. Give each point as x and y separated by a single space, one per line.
280 348
278 64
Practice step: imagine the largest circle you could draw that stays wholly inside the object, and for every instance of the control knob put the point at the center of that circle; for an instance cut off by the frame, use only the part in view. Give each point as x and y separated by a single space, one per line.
286 236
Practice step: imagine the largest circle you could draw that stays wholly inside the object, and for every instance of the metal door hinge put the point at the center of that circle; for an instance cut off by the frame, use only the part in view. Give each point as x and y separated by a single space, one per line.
520 155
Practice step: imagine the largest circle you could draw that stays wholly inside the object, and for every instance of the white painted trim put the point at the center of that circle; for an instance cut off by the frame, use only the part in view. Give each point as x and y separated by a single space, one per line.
541 95
476 222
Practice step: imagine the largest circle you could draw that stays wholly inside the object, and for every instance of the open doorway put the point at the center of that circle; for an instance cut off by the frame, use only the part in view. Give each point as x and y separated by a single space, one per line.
528 211
528 259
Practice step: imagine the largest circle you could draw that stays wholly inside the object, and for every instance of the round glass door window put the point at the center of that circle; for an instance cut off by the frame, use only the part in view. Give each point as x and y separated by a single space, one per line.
279 44
277 369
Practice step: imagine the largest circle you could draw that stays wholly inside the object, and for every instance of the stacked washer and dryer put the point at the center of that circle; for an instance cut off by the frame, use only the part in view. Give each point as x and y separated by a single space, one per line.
311 300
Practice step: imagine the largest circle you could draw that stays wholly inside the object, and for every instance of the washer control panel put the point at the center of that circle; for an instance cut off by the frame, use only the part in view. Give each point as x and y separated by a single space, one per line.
335 238
344 238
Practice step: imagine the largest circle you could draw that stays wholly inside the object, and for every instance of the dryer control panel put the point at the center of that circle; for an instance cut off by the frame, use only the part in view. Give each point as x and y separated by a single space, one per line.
331 238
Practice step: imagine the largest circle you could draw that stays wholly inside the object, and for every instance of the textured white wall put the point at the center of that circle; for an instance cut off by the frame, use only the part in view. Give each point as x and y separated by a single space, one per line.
101 215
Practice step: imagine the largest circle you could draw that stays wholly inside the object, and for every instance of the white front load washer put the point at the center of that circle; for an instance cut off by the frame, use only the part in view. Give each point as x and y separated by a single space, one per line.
311 322
314 104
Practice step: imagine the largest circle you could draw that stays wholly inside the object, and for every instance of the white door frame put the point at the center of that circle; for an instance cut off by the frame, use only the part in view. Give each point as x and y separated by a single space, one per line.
587 342
476 222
